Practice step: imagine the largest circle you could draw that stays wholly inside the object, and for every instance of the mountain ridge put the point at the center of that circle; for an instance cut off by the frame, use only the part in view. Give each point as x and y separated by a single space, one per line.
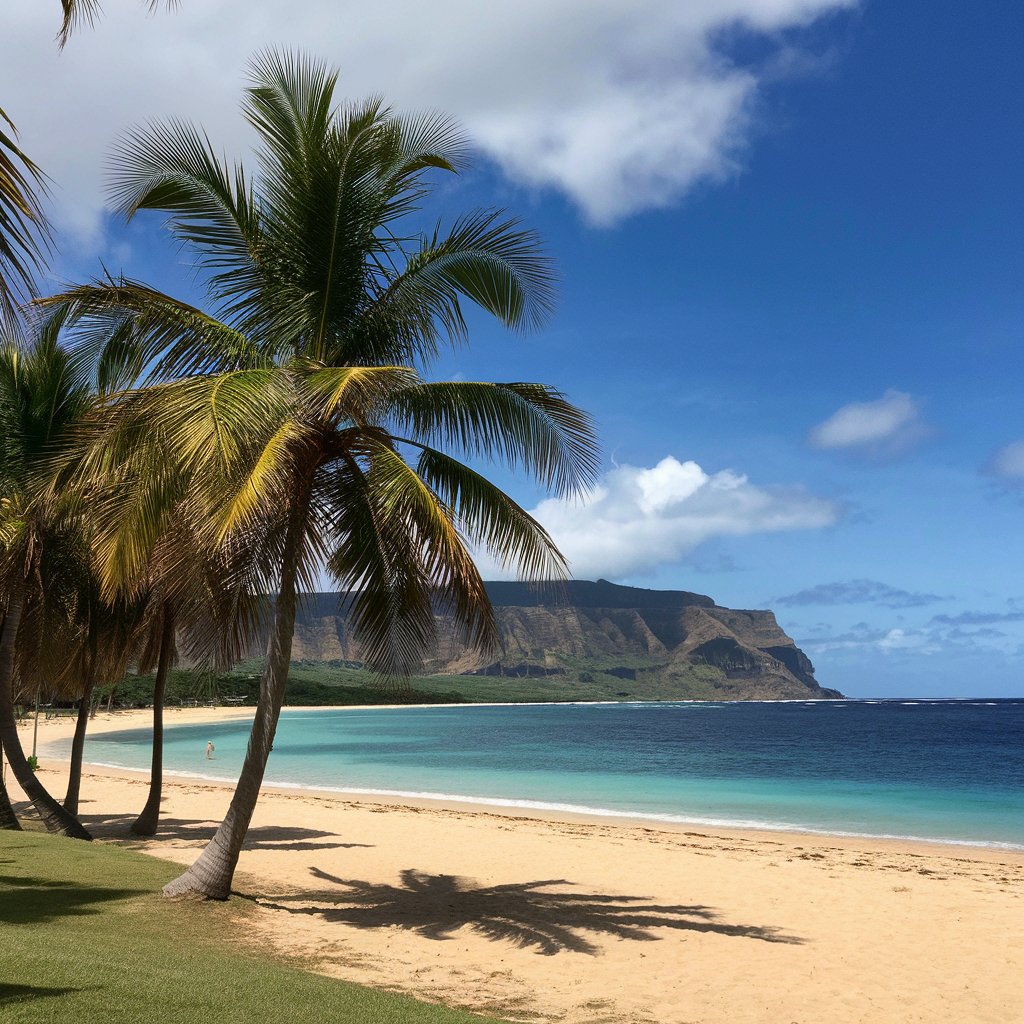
658 644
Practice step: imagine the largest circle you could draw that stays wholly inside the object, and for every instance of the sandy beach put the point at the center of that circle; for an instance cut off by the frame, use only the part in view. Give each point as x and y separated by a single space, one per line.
576 920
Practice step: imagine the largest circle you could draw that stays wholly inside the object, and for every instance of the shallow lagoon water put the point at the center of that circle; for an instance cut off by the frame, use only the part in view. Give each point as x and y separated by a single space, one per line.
950 771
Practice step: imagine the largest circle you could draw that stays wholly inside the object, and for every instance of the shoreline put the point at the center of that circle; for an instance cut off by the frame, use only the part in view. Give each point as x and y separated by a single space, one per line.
568 919
540 811
516 808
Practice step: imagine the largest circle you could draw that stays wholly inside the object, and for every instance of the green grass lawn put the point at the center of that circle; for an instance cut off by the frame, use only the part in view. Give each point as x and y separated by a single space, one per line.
85 936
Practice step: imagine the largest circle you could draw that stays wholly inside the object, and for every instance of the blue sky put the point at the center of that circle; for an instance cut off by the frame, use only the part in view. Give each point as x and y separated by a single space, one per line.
790 239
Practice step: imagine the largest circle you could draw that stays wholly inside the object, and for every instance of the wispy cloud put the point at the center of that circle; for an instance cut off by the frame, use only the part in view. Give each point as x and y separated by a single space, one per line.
622 105
887 641
887 425
976 618
859 592
1008 462
640 519
958 635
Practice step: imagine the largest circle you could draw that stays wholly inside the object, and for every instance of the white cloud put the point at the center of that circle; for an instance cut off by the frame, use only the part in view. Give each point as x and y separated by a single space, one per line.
623 105
890 423
639 519
1009 461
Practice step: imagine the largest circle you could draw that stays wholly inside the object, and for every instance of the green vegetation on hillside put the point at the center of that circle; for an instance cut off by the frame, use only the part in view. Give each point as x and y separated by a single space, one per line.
324 683
104 947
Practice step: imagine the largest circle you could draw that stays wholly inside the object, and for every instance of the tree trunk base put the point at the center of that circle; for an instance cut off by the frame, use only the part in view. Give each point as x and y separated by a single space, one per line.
189 886
8 819
144 825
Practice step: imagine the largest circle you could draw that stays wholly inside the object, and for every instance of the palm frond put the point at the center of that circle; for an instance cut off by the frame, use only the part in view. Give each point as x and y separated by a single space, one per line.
488 258
25 238
356 393
532 426
491 519
172 167
78 13
401 558
134 333
290 102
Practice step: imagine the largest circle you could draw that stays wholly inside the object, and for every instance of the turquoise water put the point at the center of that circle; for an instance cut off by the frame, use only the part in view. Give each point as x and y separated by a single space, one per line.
951 771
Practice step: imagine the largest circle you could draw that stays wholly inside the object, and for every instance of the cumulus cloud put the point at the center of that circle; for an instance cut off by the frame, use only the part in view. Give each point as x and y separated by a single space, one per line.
1008 462
641 518
859 592
889 424
623 105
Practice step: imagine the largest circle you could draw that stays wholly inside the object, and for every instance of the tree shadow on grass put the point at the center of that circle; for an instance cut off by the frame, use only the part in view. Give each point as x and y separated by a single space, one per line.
26 993
199 832
28 900
436 906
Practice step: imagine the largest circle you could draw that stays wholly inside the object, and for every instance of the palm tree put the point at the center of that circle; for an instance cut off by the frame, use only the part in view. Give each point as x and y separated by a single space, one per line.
68 638
43 392
292 420
205 596
106 641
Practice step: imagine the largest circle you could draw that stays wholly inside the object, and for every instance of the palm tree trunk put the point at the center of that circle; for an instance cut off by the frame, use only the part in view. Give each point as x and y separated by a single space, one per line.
145 824
8 819
78 743
210 876
54 817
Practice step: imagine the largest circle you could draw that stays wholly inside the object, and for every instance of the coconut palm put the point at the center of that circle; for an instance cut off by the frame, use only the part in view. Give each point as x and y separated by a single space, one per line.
43 392
291 419
62 638
201 600
105 642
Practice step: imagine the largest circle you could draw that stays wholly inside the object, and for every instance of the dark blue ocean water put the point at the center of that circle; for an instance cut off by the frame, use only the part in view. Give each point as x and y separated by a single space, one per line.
943 770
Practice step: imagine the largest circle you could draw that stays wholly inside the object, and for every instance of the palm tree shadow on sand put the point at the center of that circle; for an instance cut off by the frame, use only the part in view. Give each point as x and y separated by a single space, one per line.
523 913
197 833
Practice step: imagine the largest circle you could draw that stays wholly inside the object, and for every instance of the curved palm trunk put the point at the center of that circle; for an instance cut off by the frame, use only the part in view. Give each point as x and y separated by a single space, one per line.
8 819
54 817
210 876
78 743
145 824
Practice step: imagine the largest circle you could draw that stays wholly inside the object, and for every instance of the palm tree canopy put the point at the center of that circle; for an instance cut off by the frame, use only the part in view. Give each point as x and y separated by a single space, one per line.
44 391
295 397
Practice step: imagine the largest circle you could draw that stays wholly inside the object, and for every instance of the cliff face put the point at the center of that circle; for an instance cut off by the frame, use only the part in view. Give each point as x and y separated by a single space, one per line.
660 644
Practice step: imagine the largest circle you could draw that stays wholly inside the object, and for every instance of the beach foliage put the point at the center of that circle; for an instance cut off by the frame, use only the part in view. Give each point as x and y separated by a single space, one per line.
44 392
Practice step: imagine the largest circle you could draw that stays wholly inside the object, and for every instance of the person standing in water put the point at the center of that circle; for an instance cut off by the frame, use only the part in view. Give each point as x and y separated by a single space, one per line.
209 751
